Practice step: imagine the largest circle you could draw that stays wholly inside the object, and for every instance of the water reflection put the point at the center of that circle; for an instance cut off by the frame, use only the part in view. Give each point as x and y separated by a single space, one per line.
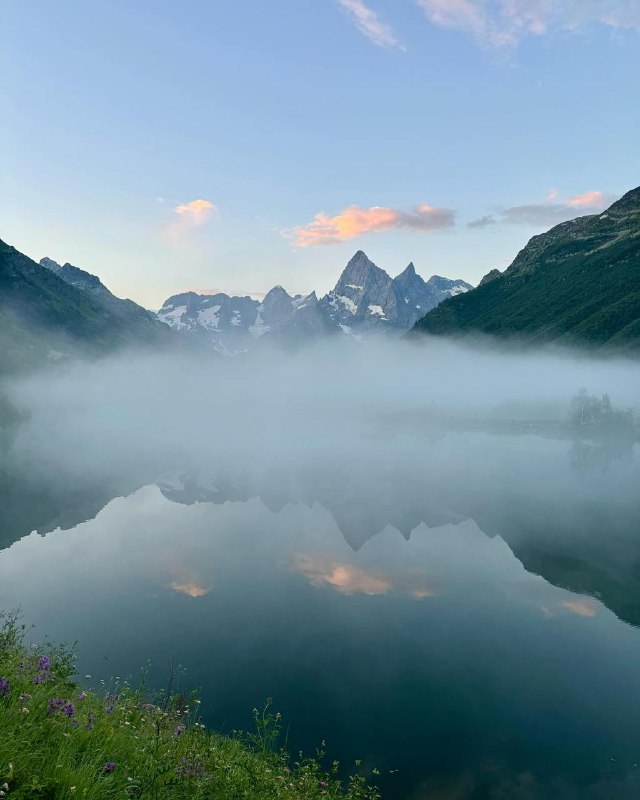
455 609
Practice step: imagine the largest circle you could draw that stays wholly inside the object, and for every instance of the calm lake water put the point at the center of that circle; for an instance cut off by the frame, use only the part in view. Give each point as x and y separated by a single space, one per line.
458 610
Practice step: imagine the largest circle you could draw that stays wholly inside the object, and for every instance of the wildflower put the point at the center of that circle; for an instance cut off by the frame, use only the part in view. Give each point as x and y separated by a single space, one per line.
24 697
65 707
109 766
179 731
109 709
37 679
5 687
82 696
44 663
24 710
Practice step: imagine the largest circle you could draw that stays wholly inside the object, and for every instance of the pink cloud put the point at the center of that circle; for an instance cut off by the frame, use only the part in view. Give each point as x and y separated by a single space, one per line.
549 213
189 216
197 211
355 221
583 608
591 199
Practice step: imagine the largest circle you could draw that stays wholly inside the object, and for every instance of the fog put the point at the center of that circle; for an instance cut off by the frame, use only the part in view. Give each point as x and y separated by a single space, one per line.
396 531
136 411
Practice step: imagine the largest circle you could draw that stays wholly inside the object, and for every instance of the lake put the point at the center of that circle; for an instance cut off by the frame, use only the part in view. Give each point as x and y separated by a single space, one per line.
455 607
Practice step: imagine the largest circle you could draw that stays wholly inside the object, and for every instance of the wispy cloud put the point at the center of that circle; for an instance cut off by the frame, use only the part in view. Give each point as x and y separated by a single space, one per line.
197 211
551 212
593 199
188 216
355 221
368 23
583 608
483 222
347 578
503 23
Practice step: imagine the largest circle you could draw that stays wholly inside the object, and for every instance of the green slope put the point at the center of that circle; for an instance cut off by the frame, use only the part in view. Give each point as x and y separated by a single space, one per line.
577 283
42 318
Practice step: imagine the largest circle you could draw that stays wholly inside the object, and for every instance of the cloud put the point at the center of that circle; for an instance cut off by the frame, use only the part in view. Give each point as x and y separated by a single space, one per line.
592 199
189 216
367 22
583 608
197 211
355 221
503 23
189 588
351 579
344 578
549 213
483 222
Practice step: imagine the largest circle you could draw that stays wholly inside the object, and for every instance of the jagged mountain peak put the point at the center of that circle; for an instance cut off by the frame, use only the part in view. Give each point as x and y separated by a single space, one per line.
277 291
50 264
408 272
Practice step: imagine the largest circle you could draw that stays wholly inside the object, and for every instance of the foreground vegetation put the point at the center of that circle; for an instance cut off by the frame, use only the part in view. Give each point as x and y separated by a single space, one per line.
59 741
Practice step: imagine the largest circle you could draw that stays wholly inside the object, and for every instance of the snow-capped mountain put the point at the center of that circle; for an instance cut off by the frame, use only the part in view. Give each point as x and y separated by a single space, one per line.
365 299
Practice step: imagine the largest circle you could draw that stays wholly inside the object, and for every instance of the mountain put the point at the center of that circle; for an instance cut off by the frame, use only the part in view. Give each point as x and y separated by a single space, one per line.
365 299
232 324
577 283
45 318
130 312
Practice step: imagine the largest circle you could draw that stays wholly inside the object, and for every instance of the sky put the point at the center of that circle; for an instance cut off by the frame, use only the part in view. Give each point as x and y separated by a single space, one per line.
210 145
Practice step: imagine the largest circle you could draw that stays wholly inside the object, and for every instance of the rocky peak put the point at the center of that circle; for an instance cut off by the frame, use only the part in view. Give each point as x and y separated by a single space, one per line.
360 276
409 272
490 276
50 264
276 306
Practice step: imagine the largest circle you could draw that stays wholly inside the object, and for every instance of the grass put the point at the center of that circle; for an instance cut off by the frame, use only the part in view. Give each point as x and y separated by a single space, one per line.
58 741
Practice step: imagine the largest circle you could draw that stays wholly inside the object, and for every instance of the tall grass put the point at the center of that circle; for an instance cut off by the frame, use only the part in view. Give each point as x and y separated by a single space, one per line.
58 741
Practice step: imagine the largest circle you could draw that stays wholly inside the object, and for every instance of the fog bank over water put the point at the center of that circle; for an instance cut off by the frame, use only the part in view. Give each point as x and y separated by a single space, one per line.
136 411
407 546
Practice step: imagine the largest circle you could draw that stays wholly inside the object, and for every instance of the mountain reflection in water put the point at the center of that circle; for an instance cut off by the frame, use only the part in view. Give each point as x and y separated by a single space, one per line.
460 608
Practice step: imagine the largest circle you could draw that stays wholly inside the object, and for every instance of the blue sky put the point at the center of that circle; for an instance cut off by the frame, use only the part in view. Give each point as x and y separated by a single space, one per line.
234 145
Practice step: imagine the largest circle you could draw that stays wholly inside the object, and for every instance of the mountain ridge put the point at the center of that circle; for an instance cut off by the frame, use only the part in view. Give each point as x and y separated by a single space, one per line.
578 283
365 300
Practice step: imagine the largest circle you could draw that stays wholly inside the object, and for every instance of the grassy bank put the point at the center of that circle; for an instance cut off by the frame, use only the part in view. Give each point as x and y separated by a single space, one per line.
58 741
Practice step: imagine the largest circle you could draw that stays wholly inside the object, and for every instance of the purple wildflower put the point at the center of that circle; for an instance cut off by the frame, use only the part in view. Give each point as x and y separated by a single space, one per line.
44 663
54 705
109 709
110 766
37 679
65 707
5 687
179 731
82 696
